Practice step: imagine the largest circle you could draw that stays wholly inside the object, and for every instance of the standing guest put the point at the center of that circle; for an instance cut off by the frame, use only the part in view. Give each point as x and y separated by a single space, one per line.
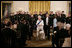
27 16
56 13
63 18
58 16
40 25
8 36
59 35
67 42
63 15
23 32
2 25
55 22
46 26
51 19
12 18
54 29
44 14
35 16
31 23
51 13
68 19
40 13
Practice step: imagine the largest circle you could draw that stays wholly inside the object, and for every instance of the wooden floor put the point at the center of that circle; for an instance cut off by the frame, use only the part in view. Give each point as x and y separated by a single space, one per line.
39 43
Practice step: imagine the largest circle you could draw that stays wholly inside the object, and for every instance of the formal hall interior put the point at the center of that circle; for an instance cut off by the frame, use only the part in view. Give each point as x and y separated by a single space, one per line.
35 24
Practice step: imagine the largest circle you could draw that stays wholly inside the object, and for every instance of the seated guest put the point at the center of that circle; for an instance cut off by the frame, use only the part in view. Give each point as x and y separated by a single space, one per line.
8 36
67 42
40 25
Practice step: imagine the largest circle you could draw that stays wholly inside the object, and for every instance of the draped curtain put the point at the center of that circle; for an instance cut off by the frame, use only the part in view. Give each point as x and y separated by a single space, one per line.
39 6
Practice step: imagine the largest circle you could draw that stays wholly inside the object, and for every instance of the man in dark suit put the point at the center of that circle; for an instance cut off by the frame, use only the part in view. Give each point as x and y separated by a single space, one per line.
36 17
68 19
2 25
8 36
22 27
51 13
31 24
51 17
12 18
46 26
63 17
59 35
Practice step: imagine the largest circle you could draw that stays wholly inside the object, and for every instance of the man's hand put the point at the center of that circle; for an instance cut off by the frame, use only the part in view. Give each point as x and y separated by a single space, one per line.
54 31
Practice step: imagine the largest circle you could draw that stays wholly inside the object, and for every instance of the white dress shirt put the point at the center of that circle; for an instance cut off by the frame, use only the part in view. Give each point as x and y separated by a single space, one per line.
46 20
54 22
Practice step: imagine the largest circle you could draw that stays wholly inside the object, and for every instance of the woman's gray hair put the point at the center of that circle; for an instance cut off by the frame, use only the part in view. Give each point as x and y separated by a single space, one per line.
39 16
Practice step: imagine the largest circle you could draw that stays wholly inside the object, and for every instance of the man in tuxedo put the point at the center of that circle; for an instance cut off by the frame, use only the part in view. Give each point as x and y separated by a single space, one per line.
58 16
8 36
22 27
59 35
2 25
51 13
12 18
63 17
62 14
31 23
36 17
51 16
40 13
46 26
68 19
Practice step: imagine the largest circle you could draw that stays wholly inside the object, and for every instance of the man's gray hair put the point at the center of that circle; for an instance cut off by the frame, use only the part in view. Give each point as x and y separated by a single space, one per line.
68 25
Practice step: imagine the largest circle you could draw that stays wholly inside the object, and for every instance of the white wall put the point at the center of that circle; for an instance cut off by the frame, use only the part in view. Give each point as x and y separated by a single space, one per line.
20 5
58 5
55 5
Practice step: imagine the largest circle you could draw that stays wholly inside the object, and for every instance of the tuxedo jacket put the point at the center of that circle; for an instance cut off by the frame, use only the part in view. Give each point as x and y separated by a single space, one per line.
8 37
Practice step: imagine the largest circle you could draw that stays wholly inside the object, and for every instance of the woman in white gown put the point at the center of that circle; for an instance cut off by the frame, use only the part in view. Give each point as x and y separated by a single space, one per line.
40 30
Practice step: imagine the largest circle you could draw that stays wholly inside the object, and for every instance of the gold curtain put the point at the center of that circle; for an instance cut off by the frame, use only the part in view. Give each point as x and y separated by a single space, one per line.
39 6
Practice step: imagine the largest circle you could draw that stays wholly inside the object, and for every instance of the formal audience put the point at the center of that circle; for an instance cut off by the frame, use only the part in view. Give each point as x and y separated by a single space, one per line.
24 23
